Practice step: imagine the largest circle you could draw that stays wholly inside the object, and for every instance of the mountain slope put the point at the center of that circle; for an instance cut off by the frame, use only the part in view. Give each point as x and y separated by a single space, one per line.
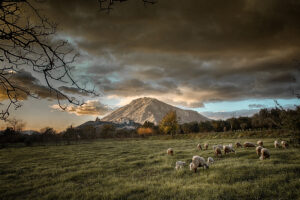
153 110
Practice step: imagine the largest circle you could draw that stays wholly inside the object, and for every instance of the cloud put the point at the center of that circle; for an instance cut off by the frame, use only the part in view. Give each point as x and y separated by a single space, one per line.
73 90
191 51
25 81
91 107
255 106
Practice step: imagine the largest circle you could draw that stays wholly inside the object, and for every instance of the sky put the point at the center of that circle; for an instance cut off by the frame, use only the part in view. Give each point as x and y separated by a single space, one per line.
209 56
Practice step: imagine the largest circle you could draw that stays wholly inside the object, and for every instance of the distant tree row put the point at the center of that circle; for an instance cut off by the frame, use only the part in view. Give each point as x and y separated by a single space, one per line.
69 136
265 119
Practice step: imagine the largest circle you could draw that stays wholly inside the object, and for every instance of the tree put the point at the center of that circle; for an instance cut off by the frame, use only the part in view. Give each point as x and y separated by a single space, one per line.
27 45
16 124
169 123
70 134
48 134
148 124
191 127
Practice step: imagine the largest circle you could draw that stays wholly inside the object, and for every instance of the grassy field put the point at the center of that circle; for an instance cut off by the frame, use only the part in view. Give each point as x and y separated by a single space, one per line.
140 169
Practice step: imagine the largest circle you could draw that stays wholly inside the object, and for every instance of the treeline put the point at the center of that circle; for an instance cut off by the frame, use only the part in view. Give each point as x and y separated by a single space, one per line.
69 136
265 119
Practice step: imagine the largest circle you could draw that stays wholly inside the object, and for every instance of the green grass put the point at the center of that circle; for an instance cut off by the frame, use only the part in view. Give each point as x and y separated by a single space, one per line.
140 169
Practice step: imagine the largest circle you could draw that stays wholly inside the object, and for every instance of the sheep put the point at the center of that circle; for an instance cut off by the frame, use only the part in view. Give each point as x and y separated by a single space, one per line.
228 149
215 146
258 150
179 165
284 144
264 153
210 160
170 151
198 161
276 144
192 167
199 147
237 145
260 143
206 146
230 145
218 151
249 144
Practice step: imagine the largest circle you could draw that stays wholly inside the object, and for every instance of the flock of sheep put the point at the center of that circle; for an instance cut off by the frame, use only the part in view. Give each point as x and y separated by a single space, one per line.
198 161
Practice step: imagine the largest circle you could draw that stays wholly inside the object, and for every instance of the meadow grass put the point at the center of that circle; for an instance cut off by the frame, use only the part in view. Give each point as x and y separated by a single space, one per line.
140 169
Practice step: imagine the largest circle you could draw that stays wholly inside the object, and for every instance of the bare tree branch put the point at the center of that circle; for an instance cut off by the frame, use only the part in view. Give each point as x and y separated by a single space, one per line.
26 42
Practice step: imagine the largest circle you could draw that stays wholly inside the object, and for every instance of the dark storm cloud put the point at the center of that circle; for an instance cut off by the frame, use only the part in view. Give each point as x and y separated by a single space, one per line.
25 82
137 87
197 51
73 90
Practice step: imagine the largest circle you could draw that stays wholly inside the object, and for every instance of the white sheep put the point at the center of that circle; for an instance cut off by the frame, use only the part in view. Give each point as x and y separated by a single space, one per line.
170 151
218 151
199 147
237 145
228 149
192 166
258 150
206 146
198 161
260 143
179 165
284 144
217 146
276 144
249 144
264 153
210 160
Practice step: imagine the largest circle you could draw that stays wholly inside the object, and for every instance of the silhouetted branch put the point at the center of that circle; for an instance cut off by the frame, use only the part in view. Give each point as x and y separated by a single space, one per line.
27 43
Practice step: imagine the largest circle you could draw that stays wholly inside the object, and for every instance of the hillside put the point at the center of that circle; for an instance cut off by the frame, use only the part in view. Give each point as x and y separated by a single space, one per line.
153 110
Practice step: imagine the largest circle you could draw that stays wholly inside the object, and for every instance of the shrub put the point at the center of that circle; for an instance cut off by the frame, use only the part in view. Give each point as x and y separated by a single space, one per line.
145 131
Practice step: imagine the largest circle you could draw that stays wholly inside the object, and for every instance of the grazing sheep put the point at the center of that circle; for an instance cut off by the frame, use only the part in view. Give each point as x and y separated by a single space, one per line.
215 146
237 145
264 153
199 147
260 143
170 151
206 146
198 161
258 150
210 160
193 167
228 149
218 151
276 144
179 165
249 144
284 144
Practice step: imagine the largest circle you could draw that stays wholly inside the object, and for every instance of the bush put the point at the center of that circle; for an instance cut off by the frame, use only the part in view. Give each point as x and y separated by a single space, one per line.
145 131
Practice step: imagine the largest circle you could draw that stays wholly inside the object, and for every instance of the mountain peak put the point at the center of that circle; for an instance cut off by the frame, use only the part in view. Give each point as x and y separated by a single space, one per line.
152 110
144 100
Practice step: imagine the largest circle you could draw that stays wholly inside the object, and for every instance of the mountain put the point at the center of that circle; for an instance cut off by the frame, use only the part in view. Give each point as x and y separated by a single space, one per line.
98 124
152 110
